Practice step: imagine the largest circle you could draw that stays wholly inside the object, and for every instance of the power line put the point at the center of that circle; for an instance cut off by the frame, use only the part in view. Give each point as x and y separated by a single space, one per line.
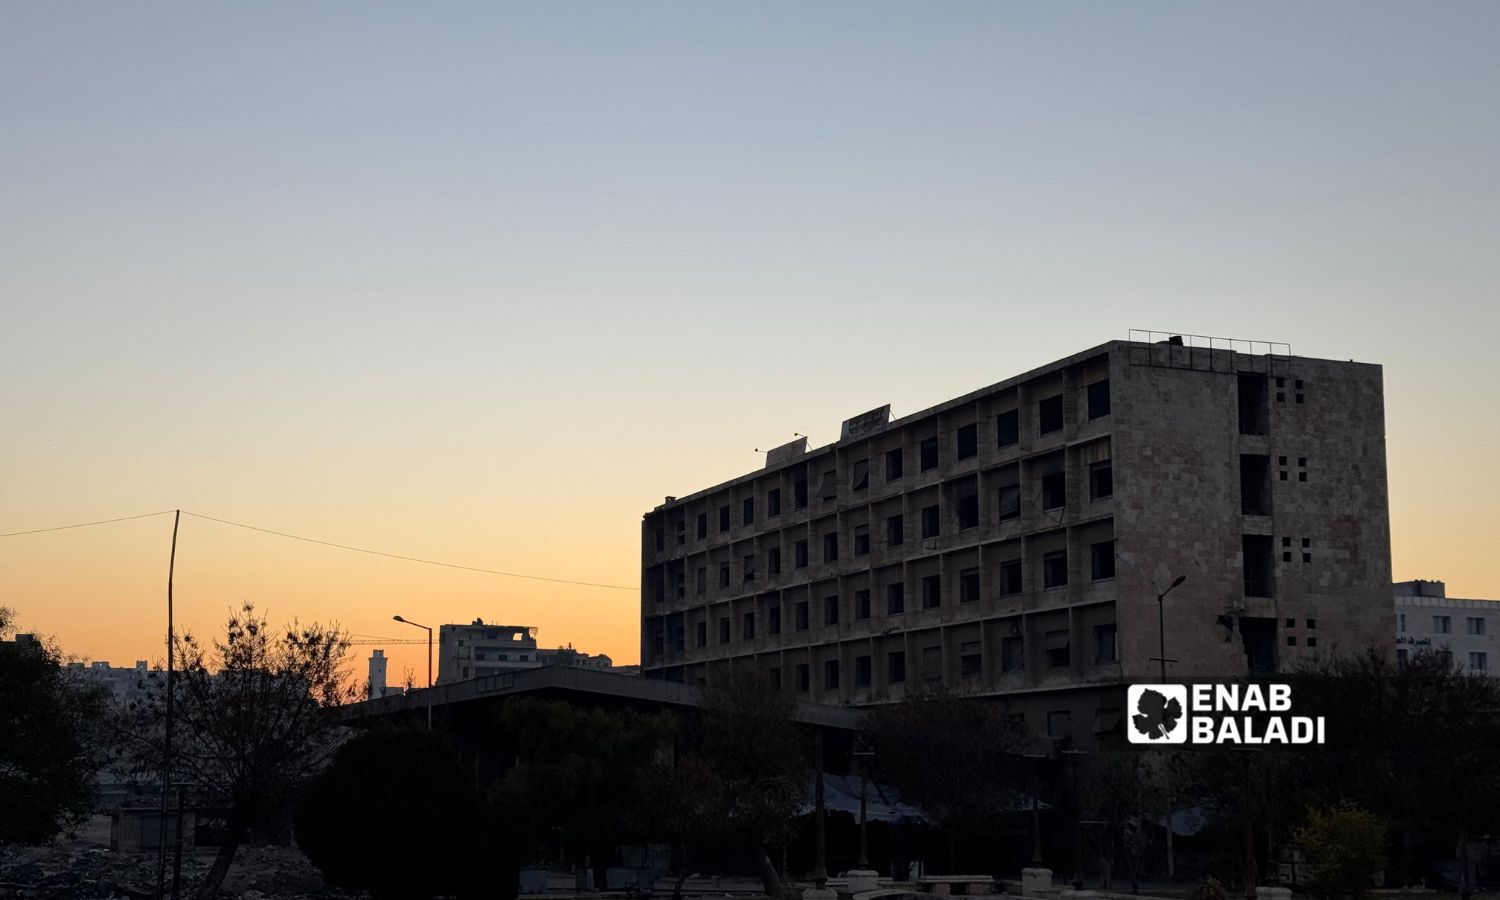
415 559
86 524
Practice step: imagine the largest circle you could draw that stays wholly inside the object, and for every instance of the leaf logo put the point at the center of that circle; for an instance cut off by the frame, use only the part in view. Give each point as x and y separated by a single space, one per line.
1158 714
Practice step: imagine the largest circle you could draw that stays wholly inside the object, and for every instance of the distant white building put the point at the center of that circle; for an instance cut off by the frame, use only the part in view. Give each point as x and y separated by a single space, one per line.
1465 630
126 685
378 686
479 649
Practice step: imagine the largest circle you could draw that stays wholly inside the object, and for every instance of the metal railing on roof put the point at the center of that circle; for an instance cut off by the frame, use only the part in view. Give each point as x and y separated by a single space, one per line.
1202 353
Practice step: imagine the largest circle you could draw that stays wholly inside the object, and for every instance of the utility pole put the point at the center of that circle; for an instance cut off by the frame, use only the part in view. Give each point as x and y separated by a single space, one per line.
1077 821
166 756
1161 657
429 663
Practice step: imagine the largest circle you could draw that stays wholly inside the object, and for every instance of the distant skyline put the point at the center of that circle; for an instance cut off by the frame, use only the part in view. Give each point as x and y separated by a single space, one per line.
451 281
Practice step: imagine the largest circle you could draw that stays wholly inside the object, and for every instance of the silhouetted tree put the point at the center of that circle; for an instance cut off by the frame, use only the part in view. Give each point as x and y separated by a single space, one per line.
49 752
251 722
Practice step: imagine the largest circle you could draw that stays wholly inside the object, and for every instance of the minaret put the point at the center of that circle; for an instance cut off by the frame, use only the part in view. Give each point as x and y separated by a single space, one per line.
377 674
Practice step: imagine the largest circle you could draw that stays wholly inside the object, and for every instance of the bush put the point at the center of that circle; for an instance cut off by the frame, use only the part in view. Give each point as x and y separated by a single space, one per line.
1345 850
1208 889
396 814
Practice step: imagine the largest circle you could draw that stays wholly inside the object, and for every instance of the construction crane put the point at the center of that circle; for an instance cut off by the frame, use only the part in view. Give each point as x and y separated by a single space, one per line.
369 642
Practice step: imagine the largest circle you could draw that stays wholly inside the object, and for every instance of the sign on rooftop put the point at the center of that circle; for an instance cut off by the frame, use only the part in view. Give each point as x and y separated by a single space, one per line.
864 423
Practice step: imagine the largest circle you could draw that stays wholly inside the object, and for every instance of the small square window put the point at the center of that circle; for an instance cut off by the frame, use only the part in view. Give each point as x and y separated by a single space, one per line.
1286 556
1312 641
1312 623
1291 640
1101 480
1307 557
1010 577
1302 461
1010 502
1301 476
1291 623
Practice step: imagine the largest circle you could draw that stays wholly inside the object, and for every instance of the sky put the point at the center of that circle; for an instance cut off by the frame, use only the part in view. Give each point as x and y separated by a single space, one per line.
484 282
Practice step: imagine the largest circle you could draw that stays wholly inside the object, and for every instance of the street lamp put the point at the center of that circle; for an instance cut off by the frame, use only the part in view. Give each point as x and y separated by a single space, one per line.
429 663
1077 822
857 755
1161 655
1036 815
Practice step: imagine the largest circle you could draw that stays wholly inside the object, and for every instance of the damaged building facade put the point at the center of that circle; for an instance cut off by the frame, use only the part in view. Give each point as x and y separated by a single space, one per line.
1013 542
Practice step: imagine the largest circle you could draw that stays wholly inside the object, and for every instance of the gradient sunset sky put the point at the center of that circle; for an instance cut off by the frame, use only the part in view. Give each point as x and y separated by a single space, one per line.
483 282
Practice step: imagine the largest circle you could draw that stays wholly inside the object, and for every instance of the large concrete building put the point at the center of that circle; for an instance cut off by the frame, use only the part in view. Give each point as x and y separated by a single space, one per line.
1463 630
1012 542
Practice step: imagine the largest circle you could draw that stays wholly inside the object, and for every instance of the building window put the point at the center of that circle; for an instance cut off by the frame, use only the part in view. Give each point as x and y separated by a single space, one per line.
1105 648
1055 569
773 502
1012 654
803 681
702 579
831 610
895 599
748 632
1479 662
702 526
773 561
1059 653
830 675
799 493
799 554
966 495
929 454
1255 484
932 663
1060 725
895 532
1010 502
1010 577
929 521
723 519
1101 480
932 592
1254 409
893 464
723 575
970 661
1008 428
828 487
774 673
724 630
831 546
1099 399
749 569
968 586
1102 560
860 474
1054 490
1476 625
1260 579
1401 622
701 635
1049 414
861 604
748 517
862 671
802 616
967 440
895 667
773 620
861 540
1442 625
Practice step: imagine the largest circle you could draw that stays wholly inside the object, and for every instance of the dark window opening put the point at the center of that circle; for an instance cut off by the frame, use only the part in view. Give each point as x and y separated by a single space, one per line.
831 547
1102 560
932 592
929 454
1054 490
703 580
1010 502
1255 484
773 620
748 566
968 586
861 477
773 561
930 524
1059 651
1101 480
830 675
1099 399
895 532
861 540
831 610
1012 654
861 604
801 620
893 464
862 671
1008 428
1255 417
1260 566
1259 637
701 634
748 516
828 485
702 526
1055 569
799 493
1010 577
773 502
748 631
1105 646
895 599
803 680
724 575
967 440
966 495
799 554
723 519
724 631
1049 414
895 667
970 662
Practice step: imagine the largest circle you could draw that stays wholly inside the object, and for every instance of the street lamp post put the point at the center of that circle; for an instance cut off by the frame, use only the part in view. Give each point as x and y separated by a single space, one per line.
1161 658
859 755
1036 814
1077 822
429 663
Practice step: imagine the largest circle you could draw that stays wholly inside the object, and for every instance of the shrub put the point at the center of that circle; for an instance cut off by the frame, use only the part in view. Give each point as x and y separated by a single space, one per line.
1345 850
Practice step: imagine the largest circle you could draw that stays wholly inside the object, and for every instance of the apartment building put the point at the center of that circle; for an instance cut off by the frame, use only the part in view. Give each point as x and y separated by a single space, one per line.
482 648
1013 542
1464 631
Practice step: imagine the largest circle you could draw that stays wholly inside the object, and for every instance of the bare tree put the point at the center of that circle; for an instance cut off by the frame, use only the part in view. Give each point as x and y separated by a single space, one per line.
251 721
